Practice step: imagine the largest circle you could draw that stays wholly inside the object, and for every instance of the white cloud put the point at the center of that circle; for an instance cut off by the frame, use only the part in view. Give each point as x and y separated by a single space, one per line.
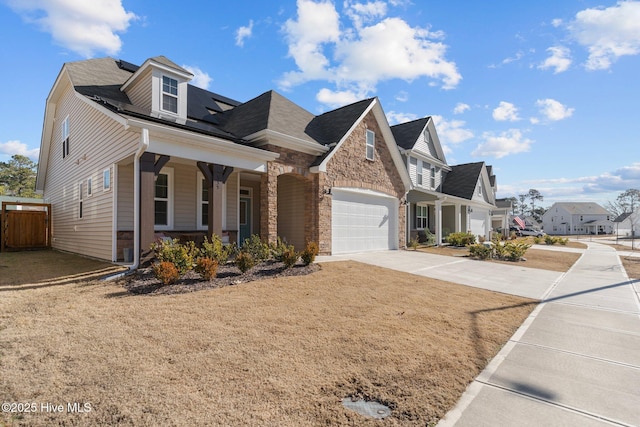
402 96
461 108
559 60
506 111
85 27
608 33
395 118
243 33
556 22
554 110
200 78
503 144
11 148
335 99
451 132
358 57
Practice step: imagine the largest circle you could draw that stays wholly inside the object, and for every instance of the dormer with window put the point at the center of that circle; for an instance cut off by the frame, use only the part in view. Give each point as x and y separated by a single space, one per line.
160 86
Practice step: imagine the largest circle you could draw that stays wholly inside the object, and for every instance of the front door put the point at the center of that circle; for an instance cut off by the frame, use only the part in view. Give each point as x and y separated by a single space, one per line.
245 219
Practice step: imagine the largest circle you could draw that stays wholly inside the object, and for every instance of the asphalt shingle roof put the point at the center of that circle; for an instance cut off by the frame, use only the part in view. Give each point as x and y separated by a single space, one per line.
462 179
406 134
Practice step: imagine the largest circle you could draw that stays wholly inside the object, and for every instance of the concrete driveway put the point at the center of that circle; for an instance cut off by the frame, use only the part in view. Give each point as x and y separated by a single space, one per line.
574 362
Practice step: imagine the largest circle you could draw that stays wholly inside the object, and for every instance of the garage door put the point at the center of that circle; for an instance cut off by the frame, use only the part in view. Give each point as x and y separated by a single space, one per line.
363 221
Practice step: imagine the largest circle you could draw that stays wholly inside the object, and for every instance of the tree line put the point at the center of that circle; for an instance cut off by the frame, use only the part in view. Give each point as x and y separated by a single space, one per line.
18 177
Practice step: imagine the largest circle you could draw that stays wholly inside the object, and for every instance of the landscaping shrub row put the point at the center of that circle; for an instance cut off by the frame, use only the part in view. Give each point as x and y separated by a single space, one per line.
497 249
175 259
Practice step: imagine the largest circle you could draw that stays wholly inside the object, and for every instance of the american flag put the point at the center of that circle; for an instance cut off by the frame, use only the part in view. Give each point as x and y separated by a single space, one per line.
519 221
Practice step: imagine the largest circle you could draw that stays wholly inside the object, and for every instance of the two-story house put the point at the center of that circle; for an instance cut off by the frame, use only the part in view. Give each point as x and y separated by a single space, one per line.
443 198
130 151
567 218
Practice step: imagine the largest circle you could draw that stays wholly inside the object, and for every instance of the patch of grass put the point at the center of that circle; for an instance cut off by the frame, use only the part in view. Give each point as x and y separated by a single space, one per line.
280 351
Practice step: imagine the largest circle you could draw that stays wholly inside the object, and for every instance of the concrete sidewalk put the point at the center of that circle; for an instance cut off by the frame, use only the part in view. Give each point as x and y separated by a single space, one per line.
576 359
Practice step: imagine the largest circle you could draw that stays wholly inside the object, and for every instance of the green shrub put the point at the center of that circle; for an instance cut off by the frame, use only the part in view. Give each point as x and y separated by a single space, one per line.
537 240
514 251
309 253
461 239
550 240
207 267
278 248
244 261
172 251
259 250
215 249
413 244
166 272
289 257
563 241
480 251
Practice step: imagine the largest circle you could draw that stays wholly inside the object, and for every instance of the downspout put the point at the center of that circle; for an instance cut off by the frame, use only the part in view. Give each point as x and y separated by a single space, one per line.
142 147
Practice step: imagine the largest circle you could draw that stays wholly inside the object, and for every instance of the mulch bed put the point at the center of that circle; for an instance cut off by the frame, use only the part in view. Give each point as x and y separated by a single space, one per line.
143 281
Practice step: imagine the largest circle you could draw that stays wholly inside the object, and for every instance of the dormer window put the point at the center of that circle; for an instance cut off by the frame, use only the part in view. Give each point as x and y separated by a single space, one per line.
169 94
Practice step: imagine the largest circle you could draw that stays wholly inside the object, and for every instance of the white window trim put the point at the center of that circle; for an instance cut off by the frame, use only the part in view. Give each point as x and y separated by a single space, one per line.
170 182
419 175
163 93
80 200
64 134
372 145
425 216
106 184
89 187
200 202
433 178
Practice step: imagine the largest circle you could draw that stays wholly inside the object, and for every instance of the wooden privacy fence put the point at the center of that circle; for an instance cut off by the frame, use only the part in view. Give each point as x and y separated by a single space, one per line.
25 226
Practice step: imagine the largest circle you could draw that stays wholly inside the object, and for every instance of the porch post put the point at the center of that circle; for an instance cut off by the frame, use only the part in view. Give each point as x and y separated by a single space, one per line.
215 176
458 218
149 169
438 222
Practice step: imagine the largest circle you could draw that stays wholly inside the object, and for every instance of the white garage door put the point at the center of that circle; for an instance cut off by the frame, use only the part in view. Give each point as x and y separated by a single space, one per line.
363 221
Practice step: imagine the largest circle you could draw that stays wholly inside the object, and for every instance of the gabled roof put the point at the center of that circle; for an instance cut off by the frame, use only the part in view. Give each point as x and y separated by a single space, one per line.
462 180
622 217
581 208
406 134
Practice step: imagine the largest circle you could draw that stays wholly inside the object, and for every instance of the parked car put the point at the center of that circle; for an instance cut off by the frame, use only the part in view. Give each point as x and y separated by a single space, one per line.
528 231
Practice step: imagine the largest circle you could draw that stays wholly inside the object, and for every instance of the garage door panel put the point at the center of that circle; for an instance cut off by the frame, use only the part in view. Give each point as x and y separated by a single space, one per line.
363 222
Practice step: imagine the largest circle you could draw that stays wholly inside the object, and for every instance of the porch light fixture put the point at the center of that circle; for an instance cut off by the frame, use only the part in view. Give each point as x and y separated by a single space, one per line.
404 202
469 209
327 191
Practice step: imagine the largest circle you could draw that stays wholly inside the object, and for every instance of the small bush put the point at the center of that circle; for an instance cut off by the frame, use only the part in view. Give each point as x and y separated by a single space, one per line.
563 241
549 240
259 250
181 256
309 253
513 235
289 257
215 249
413 244
480 251
244 261
207 268
278 248
166 272
514 251
537 240
461 239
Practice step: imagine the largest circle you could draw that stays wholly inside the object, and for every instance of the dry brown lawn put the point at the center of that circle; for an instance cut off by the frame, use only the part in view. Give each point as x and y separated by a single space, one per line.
534 258
276 352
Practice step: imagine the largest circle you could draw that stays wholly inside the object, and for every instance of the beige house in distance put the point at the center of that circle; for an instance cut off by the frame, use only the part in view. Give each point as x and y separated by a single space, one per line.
129 151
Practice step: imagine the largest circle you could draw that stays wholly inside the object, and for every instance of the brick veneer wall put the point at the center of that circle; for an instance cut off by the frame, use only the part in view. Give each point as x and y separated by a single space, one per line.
348 167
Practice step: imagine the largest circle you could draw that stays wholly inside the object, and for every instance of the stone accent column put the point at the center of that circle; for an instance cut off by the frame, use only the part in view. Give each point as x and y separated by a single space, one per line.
269 204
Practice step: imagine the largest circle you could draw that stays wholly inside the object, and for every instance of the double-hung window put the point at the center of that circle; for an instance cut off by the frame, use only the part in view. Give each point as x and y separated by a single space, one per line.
421 217
169 94
433 178
80 200
371 140
106 180
65 137
164 200
419 172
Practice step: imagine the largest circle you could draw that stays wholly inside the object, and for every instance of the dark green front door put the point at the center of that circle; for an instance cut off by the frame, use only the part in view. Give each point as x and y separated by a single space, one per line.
245 219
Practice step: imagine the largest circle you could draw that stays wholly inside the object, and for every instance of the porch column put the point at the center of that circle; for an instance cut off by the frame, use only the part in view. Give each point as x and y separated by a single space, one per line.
438 222
215 177
458 218
487 225
149 169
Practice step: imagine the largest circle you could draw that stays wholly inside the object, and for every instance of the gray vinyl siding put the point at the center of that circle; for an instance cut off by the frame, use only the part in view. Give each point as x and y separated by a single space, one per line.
140 93
96 143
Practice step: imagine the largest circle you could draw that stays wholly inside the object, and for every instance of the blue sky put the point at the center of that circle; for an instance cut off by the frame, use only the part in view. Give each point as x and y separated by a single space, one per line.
546 92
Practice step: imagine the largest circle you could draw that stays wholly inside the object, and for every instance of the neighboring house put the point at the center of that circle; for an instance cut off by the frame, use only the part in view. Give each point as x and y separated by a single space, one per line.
628 224
567 218
128 152
501 216
443 198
